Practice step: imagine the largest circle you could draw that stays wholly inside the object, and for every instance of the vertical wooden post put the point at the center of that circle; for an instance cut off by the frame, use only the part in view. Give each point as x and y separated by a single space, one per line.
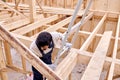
16 6
23 63
32 10
7 53
2 64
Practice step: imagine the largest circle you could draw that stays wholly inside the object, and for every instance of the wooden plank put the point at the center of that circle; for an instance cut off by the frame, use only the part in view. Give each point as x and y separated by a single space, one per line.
58 25
67 65
32 9
19 23
112 67
97 61
2 63
28 55
55 26
53 10
25 40
35 25
8 53
90 38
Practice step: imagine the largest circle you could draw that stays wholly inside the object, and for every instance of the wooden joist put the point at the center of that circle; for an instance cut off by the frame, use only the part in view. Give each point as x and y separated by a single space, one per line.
28 55
35 25
52 10
90 38
96 63
111 72
56 26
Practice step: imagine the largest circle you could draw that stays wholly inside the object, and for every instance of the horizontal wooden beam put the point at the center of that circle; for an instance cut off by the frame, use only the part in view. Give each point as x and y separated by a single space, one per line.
56 26
28 55
96 63
86 33
51 10
22 22
35 25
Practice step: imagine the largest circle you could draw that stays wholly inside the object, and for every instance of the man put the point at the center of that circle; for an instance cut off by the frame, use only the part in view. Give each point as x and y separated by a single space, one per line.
43 47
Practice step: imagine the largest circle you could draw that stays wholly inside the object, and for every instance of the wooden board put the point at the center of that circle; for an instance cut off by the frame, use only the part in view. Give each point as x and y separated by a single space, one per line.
95 65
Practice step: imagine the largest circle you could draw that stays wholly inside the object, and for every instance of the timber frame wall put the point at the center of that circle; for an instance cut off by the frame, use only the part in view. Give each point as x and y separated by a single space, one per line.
97 45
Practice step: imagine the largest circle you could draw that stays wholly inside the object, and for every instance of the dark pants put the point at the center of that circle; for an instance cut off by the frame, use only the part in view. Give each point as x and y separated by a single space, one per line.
36 75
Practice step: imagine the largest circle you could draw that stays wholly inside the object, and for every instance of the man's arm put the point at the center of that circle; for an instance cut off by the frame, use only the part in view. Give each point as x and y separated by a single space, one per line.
34 49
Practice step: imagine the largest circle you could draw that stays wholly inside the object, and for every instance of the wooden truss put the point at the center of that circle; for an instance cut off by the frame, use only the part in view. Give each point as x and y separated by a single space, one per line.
97 45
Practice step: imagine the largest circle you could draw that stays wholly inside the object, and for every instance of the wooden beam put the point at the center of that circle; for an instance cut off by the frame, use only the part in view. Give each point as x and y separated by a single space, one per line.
2 64
52 10
11 8
111 72
96 63
35 25
67 65
90 38
19 23
55 26
59 25
28 55
32 9
25 40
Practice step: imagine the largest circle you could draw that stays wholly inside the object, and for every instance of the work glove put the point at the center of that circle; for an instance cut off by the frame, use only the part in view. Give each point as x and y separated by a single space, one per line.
52 66
68 45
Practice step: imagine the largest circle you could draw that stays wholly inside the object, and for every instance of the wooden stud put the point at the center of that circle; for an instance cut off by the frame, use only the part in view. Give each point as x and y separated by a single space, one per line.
8 53
32 10
2 63
96 63
110 77
12 8
16 6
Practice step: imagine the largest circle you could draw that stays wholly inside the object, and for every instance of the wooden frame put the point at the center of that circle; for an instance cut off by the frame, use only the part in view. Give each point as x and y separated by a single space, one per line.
94 46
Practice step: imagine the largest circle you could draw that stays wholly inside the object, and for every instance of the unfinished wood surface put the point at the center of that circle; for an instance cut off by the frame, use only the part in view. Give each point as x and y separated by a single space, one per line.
59 25
56 26
66 66
8 53
32 9
111 72
21 22
90 38
28 55
35 25
96 63
2 63
52 10
11 8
